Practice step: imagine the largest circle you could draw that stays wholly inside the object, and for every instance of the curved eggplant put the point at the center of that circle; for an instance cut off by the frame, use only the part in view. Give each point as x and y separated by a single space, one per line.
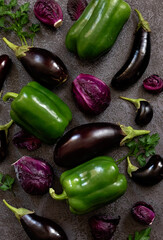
138 59
5 65
37 227
144 110
42 65
3 145
86 141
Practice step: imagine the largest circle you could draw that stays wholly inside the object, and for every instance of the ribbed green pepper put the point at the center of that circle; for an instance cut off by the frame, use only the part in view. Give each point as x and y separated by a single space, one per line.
91 185
39 111
97 29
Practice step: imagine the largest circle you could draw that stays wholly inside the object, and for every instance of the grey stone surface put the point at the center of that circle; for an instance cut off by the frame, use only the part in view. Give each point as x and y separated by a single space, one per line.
119 111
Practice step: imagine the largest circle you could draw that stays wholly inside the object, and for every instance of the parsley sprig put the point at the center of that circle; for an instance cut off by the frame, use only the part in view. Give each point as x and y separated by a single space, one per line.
15 18
6 182
142 235
141 148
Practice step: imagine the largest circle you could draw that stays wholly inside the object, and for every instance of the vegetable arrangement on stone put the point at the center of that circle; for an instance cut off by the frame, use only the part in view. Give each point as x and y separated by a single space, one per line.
90 180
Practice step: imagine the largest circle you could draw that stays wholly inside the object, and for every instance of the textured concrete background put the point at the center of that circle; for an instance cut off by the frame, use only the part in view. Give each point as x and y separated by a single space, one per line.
119 111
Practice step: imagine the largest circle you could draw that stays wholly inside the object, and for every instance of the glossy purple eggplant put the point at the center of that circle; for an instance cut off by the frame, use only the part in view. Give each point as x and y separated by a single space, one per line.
138 59
37 227
84 142
144 110
3 145
5 65
42 65
151 173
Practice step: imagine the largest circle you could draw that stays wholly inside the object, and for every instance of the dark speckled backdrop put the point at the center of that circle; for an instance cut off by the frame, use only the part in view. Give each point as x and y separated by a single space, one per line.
119 111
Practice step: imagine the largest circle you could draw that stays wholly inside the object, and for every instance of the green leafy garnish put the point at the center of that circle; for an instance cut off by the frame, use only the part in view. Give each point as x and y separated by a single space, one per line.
141 148
6 182
142 235
15 18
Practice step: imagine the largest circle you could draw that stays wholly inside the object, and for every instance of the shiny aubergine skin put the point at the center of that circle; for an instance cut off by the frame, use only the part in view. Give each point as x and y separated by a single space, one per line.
137 62
40 228
44 67
151 173
85 142
5 65
3 145
144 114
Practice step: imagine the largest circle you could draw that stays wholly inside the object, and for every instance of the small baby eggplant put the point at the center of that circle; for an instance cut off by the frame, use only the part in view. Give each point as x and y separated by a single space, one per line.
144 110
5 65
138 59
86 141
49 12
37 227
42 65
150 174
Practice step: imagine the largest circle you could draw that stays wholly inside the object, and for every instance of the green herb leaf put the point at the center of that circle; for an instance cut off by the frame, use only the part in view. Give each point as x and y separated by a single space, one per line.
2 22
141 160
24 7
142 235
35 28
6 182
13 3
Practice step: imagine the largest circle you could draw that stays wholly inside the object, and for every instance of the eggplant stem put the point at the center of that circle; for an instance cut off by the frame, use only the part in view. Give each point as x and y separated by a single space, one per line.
136 102
131 168
9 95
142 22
130 133
61 196
19 212
6 126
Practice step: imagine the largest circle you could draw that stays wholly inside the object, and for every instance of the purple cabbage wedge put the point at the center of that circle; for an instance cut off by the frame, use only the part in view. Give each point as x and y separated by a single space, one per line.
23 139
91 94
103 227
143 213
153 84
35 175
75 8
49 12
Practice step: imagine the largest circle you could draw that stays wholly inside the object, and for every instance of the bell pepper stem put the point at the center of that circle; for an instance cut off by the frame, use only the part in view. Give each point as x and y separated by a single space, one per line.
18 50
9 95
142 22
61 196
19 212
130 133
131 168
136 102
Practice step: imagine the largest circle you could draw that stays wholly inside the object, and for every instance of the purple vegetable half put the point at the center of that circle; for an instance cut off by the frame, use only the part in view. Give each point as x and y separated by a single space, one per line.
23 139
103 227
153 84
75 8
35 175
143 213
91 94
49 12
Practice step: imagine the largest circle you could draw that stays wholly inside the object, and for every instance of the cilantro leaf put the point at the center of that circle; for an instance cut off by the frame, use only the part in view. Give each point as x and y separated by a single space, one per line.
6 182
142 235
141 160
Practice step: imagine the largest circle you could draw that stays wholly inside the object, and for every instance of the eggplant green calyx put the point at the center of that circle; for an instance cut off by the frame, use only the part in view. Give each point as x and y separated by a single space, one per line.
18 50
19 212
136 102
6 126
142 22
130 133
131 168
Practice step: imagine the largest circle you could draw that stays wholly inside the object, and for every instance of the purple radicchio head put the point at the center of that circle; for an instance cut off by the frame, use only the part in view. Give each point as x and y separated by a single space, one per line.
103 227
48 12
143 213
91 94
75 8
35 175
153 84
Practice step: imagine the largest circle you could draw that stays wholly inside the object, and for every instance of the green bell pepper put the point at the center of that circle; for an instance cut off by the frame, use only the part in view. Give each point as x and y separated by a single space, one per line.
39 111
91 185
97 29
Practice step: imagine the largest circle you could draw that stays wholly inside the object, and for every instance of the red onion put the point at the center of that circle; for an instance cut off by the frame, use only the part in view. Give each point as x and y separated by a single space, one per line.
49 12
91 94
153 84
